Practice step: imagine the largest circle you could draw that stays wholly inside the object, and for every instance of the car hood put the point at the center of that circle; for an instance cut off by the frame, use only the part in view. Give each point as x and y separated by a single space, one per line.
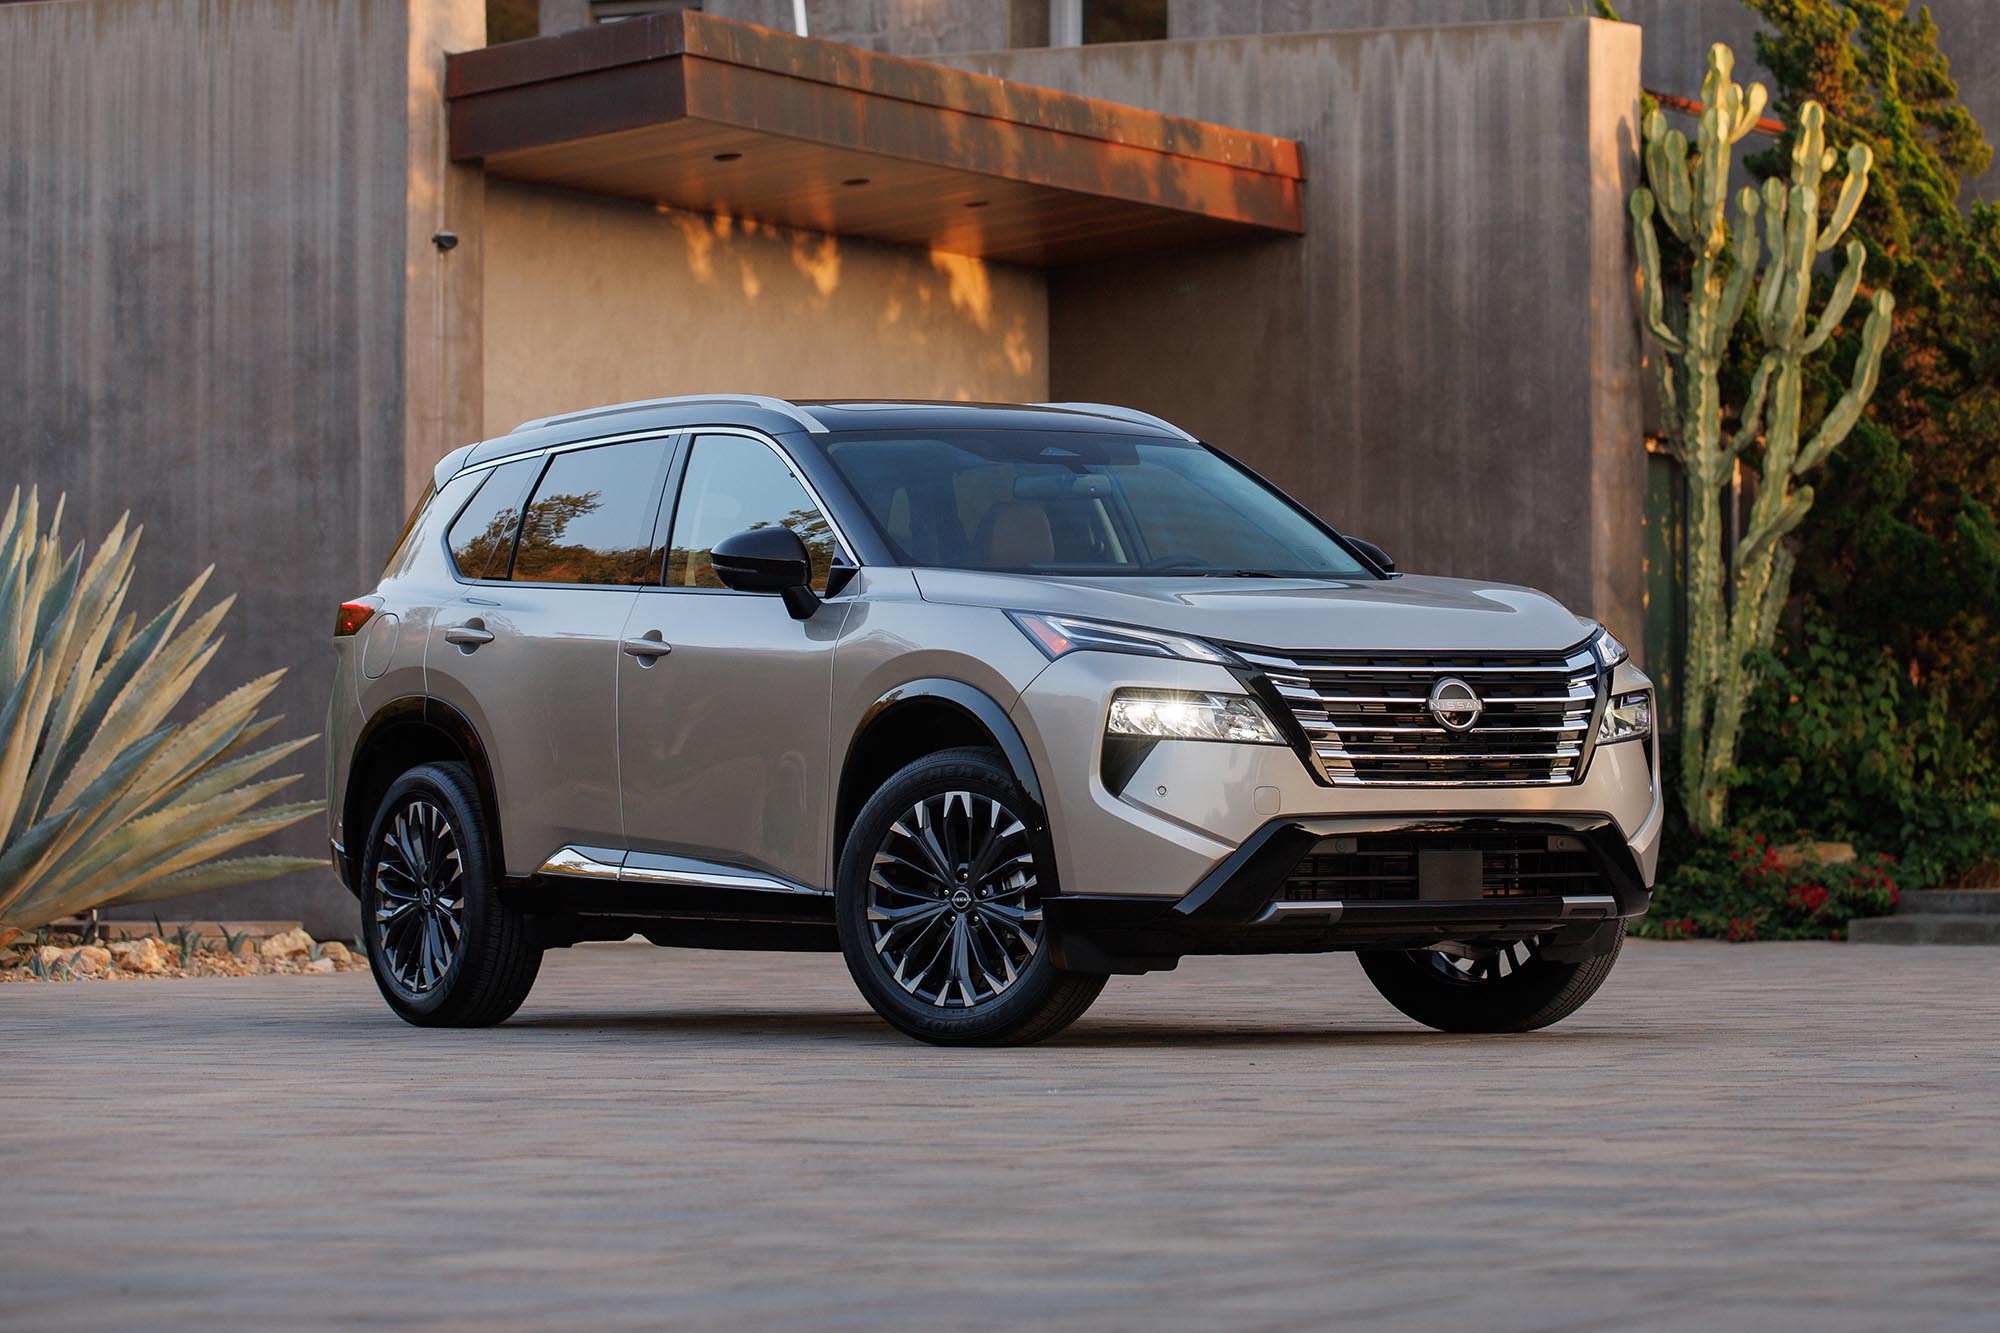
1411 613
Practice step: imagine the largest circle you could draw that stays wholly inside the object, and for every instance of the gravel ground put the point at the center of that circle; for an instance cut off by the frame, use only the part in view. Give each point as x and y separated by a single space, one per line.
1784 1136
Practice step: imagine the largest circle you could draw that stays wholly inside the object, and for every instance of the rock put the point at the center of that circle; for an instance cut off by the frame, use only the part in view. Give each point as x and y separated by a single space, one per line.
142 955
290 944
88 960
1796 854
337 951
320 965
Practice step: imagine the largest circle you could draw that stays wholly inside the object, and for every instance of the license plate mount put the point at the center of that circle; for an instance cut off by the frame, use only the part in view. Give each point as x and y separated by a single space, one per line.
1446 875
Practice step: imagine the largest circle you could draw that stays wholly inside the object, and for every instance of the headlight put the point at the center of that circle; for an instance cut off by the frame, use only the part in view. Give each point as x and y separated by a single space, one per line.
1629 718
1608 651
1056 635
1190 715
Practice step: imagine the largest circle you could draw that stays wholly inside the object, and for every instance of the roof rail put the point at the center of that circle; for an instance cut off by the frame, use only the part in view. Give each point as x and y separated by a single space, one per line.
1117 413
769 404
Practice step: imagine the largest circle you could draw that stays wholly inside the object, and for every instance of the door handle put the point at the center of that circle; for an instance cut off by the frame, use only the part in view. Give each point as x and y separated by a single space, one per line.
469 635
648 647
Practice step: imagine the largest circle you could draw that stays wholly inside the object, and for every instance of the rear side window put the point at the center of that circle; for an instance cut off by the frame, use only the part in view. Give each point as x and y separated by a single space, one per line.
482 536
591 520
734 483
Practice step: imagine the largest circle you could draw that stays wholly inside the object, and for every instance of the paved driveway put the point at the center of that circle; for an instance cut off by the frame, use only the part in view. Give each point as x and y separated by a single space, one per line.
1779 1135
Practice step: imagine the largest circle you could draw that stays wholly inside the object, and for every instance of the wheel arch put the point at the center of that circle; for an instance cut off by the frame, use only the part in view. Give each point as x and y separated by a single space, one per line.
399 736
921 717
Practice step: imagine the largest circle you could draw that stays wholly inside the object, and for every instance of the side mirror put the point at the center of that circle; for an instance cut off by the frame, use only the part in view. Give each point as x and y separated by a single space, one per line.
1373 552
769 559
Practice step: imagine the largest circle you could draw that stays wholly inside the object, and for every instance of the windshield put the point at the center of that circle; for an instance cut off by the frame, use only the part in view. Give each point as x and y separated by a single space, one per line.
1047 502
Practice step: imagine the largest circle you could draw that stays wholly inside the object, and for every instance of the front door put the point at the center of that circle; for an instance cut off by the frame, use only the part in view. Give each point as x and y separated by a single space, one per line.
529 651
722 697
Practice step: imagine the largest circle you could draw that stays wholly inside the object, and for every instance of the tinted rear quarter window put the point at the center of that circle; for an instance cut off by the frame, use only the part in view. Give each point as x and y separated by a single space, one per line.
482 536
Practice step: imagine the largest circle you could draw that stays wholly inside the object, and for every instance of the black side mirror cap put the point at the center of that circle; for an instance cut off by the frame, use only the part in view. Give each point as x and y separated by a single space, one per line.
1375 553
771 559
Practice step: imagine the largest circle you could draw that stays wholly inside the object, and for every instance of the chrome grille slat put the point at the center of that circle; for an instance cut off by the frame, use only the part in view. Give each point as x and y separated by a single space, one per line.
1368 718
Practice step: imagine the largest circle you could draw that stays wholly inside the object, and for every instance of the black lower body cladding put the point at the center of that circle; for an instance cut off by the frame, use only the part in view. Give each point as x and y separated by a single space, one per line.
1373 883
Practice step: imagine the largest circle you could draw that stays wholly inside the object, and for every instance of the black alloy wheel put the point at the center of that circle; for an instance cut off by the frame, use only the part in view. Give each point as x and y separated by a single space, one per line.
446 949
1511 987
939 906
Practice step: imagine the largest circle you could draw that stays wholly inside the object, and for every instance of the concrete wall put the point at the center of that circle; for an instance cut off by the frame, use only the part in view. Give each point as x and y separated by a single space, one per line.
1448 361
591 300
203 211
1678 34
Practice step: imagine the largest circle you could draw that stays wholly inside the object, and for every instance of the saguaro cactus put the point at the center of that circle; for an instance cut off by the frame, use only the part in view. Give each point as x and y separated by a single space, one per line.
1691 310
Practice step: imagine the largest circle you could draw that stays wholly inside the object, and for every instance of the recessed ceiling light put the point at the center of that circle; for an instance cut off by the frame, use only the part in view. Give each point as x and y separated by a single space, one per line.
727 157
855 180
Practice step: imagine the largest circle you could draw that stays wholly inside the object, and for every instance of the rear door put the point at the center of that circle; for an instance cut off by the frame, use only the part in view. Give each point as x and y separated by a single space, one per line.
551 552
723 698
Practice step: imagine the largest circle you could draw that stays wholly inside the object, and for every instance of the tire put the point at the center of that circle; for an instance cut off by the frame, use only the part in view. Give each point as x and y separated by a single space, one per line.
1511 990
419 906
943 933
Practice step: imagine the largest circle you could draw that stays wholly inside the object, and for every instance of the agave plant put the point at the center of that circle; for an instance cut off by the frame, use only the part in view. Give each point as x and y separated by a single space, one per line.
102 799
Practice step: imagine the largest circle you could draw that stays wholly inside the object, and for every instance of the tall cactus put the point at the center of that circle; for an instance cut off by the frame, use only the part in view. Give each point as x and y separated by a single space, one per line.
1692 310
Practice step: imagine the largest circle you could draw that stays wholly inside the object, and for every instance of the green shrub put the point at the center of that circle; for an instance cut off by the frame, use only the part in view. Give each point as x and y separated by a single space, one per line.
1841 742
1736 887
103 799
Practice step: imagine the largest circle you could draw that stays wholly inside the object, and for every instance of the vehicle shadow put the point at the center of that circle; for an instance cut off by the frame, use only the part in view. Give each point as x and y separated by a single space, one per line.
866 1028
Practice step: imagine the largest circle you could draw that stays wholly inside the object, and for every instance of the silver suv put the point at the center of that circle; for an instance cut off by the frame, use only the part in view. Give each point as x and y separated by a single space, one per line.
995 700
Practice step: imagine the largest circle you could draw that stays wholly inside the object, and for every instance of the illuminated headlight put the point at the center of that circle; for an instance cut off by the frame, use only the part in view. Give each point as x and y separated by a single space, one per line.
1188 715
1629 718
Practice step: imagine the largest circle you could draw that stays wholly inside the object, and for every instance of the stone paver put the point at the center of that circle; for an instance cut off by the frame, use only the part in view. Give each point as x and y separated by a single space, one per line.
1780 1136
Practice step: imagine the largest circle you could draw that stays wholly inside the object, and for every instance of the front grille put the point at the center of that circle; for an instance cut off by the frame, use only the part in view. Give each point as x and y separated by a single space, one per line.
1382 867
1369 720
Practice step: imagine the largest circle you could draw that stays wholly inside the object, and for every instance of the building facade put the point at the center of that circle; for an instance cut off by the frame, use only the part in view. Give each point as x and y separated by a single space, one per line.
266 262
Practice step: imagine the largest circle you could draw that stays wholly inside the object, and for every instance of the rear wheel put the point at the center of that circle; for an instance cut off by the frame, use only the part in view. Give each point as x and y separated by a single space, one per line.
1513 988
939 905
445 951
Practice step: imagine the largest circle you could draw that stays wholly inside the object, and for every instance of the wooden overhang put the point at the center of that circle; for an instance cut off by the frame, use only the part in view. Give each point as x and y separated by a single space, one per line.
702 113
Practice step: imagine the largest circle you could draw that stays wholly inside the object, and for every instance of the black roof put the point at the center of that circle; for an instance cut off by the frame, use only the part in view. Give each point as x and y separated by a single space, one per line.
778 416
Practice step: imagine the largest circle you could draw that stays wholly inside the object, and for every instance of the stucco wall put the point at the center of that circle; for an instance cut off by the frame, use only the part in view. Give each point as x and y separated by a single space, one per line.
202 206
591 300
1448 361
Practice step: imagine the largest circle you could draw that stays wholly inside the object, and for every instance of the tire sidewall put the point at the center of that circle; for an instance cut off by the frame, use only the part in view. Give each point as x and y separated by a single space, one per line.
445 789
1529 999
981 772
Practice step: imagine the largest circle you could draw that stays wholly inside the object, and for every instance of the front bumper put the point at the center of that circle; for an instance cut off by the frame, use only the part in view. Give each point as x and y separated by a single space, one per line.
1267 898
1144 862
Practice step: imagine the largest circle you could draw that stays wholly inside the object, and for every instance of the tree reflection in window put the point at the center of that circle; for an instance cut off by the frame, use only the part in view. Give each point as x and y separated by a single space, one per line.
591 518
545 554
734 484
695 569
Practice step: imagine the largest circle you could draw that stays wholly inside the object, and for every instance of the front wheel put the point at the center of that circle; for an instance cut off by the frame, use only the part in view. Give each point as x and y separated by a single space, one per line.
939 907
445 950
1513 988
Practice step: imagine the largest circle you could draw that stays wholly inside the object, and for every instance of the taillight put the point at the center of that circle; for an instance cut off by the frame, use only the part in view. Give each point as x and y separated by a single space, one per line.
353 615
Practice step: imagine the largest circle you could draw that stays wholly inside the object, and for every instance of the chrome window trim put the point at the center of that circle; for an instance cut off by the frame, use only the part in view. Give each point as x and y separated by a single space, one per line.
694 434
667 433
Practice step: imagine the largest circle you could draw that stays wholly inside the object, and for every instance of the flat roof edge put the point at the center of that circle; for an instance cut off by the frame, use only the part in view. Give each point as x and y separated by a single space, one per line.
497 69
